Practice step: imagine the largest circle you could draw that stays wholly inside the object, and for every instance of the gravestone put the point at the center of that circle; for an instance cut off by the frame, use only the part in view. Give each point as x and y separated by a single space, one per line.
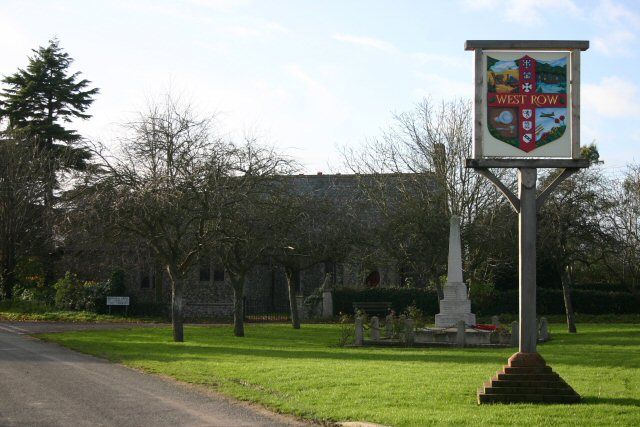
302 309
359 332
327 305
388 326
375 328
409 334
543 330
455 305
495 321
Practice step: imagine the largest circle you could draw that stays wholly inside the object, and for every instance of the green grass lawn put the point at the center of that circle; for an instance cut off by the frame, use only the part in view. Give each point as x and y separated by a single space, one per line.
304 373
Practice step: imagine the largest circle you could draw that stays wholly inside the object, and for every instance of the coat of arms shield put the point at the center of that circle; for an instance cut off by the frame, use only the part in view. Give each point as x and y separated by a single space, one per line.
526 100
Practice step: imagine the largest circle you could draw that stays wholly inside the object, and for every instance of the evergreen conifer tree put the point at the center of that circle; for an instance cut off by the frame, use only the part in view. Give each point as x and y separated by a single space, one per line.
37 104
40 99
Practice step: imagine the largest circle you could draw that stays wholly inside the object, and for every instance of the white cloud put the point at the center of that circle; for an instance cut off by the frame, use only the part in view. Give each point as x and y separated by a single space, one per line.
614 43
618 27
525 12
461 60
438 86
327 106
613 97
614 12
256 30
366 41
216 4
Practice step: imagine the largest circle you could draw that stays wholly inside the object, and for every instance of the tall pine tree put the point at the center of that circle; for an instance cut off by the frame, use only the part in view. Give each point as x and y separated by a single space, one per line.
40 99
37 104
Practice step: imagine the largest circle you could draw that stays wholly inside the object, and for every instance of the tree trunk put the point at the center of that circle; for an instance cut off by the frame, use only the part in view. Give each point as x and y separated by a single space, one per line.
568 304
293 302
49 249
237 283
439 291
176 306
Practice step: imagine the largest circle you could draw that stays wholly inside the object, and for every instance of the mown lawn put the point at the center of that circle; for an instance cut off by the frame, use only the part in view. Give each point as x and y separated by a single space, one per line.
304 373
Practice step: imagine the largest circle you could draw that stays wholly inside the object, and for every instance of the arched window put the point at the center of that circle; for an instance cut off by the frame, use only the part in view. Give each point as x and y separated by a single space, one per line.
373 279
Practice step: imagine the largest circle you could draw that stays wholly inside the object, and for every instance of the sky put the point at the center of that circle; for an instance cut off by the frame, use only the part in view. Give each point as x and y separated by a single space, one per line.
314 77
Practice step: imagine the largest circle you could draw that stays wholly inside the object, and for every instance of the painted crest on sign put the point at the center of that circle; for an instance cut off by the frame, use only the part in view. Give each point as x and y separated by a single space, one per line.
526 99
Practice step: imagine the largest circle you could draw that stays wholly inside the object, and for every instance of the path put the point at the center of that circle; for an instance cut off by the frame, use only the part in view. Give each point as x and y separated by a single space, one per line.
43 384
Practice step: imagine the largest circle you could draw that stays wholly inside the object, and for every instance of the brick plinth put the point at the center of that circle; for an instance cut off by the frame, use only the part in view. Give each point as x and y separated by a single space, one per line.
527 379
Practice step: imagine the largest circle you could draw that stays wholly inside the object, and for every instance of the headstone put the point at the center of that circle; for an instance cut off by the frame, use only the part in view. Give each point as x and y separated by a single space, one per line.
455 305
403 320
409 335
302 309
359 332
460 333
375 328
543 330
388 326
515 334
495 321
327 305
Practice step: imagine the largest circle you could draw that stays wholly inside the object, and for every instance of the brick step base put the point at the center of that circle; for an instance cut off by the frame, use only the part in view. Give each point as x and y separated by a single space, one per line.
533 384
527 379
528 370
527 398
528 390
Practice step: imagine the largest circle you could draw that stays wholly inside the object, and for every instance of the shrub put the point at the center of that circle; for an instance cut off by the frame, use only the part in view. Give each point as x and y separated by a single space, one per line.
68 292
75 294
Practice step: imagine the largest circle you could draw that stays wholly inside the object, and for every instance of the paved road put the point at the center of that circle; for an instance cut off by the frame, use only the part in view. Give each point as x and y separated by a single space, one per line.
43 384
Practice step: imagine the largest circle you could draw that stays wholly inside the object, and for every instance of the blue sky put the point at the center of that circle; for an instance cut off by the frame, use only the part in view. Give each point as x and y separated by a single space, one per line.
313 76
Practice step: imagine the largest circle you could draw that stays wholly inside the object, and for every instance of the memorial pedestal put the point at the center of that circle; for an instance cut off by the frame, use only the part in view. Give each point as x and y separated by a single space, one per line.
527 379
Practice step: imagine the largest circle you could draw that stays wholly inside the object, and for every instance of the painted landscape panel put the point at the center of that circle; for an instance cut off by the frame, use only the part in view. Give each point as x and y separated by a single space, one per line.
526 100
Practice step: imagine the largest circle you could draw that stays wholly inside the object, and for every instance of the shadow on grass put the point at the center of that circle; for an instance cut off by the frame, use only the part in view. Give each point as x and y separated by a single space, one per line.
622 401
161 352
152 345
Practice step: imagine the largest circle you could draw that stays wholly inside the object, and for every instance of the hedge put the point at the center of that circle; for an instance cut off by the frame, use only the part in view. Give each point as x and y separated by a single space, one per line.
549 301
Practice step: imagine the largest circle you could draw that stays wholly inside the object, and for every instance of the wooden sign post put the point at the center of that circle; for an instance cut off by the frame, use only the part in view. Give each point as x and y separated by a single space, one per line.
527 116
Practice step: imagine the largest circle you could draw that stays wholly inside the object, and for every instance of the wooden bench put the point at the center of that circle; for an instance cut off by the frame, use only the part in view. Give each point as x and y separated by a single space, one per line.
373 307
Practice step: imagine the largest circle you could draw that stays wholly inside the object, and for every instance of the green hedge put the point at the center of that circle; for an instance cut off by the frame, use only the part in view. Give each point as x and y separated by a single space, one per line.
549 301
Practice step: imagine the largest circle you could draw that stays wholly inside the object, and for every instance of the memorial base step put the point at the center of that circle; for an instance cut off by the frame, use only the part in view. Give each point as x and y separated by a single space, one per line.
527 379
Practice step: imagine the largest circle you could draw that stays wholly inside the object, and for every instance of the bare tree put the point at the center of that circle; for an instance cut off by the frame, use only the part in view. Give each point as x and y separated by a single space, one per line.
164 187
429 147
22 192
623 224
315 223
435 140
573 228
240 233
